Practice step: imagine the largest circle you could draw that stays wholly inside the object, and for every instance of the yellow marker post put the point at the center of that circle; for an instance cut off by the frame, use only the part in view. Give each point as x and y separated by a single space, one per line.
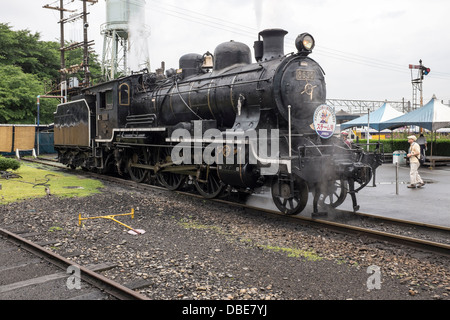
112 217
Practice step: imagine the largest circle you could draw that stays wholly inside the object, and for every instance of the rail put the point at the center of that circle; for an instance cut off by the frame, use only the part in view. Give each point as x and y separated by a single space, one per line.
440 248
97 280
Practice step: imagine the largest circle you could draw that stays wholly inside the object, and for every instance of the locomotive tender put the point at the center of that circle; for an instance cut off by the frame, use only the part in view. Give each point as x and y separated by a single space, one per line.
212 122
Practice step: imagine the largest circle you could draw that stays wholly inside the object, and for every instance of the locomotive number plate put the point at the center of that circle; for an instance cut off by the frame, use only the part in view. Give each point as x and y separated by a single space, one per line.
305 75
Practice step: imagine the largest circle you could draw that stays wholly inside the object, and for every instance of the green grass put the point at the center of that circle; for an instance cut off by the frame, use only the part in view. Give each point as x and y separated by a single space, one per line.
199 226
294 252
309 255
31 185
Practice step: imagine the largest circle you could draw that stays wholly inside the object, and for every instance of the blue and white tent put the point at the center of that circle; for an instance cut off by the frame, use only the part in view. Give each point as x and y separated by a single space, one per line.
432 116
374 119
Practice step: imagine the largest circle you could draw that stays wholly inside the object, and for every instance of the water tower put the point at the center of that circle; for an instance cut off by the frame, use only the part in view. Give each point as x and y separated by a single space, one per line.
122 18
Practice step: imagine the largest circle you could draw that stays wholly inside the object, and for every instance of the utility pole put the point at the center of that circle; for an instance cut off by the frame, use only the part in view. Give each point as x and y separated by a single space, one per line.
62 49
85 44
63 58
87 73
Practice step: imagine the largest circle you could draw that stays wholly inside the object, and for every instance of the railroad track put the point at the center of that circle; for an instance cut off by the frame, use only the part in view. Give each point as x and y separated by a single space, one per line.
29 271
359 224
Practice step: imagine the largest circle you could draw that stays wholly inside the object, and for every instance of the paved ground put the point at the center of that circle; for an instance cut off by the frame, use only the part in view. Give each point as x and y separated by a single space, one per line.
429 204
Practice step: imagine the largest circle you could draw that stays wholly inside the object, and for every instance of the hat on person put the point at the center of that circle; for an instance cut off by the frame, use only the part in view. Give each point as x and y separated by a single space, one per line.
344 133
412 138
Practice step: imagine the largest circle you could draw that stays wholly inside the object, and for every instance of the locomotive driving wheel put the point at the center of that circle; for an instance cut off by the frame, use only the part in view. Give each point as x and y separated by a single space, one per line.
209 184
335 194
170 180
289 195
139 156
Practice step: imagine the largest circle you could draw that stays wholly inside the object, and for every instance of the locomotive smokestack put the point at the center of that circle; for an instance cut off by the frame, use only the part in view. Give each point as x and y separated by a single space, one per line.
273 43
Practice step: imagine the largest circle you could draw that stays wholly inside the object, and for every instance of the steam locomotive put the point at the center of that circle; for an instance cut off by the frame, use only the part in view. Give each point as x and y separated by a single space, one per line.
220 123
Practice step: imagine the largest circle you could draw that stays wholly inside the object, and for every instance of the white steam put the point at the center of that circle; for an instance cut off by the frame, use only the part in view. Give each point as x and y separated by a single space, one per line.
258 7
138 53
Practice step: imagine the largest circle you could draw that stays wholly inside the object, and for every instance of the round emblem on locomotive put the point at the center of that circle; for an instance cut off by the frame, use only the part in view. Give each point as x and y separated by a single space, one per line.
325 121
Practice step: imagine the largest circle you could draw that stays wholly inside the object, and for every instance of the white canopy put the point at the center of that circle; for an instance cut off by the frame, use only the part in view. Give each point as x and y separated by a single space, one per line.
377 117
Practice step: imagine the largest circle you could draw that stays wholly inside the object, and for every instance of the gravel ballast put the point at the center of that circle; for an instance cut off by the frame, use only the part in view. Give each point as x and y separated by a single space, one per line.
195 249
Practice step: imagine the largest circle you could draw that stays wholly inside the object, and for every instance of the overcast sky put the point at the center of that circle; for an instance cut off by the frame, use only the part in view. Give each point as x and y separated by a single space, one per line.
364 46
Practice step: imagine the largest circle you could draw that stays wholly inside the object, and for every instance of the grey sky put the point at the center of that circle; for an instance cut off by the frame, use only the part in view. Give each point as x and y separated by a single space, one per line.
364 46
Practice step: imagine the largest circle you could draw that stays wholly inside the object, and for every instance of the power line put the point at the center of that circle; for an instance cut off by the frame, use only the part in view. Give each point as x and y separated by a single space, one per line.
205 22
204 16
240 29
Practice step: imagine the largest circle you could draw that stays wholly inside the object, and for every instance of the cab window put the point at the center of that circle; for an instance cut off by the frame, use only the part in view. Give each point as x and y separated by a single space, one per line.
124 94
106 100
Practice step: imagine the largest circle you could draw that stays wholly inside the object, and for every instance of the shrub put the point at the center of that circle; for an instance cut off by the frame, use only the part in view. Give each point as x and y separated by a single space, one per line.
8 163
441 147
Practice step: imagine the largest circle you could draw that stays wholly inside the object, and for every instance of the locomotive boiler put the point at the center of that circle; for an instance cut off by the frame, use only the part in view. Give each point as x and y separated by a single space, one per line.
220 123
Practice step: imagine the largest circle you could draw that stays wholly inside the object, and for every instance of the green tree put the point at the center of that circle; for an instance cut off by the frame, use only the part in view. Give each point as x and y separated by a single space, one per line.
23 49
26 64
18 97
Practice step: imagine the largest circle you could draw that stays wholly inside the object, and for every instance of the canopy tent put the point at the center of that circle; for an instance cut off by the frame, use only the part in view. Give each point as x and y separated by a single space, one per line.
432 116
374 119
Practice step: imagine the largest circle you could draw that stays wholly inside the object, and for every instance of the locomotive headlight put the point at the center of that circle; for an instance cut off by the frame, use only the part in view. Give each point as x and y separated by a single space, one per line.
305 43
308 42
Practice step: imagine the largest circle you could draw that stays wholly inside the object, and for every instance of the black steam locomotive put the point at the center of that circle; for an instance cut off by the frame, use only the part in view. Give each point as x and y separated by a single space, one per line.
220 123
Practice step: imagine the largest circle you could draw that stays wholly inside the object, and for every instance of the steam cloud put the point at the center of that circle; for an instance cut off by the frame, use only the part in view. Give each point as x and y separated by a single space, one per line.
258 6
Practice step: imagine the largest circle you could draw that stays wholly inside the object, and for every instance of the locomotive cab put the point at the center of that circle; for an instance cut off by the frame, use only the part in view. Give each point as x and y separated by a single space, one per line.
113 100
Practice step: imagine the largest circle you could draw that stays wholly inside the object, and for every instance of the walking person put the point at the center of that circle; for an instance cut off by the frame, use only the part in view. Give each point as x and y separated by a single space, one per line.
414 164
